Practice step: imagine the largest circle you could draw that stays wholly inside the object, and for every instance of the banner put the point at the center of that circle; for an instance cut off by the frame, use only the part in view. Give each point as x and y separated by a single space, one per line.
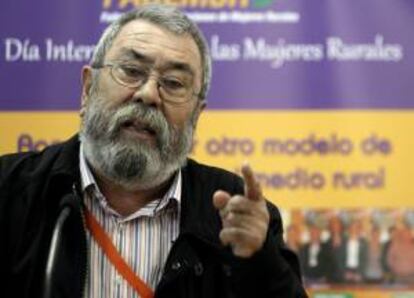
316 95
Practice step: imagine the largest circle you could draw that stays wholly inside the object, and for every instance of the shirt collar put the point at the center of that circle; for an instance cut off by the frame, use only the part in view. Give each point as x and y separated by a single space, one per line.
171 198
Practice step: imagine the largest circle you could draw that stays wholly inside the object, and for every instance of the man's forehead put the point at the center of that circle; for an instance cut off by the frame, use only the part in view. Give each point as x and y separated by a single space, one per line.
144 36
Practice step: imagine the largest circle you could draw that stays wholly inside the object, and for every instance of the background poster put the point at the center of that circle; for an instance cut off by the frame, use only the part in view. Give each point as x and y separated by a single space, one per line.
317 95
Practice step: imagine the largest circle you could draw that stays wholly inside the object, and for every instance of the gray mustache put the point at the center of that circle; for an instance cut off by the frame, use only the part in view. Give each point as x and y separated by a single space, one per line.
148 116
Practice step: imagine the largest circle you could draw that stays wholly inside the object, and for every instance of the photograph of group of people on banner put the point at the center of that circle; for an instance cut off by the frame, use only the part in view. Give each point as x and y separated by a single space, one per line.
354 247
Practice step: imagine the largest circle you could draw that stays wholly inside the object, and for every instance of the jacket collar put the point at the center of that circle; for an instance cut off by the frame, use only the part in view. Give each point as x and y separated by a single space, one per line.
67 160
199 217
65 173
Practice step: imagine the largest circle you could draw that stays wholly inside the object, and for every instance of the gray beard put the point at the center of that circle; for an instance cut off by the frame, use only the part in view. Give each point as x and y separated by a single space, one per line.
125 161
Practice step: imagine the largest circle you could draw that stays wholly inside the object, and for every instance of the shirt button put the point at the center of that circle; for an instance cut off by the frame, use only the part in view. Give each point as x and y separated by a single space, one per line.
198 269
118 279
227 270
176 266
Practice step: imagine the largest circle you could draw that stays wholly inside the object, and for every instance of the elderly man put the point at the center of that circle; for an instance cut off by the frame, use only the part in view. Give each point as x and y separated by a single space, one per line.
145 221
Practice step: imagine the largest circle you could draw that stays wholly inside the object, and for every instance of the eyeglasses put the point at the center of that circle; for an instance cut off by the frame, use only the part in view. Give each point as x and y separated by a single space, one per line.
176 89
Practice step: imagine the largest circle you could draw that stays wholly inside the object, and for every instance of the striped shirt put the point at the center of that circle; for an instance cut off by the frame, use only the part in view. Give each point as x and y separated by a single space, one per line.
143 238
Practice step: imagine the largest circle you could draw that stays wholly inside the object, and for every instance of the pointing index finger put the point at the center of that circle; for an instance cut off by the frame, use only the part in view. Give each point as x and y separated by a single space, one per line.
252 189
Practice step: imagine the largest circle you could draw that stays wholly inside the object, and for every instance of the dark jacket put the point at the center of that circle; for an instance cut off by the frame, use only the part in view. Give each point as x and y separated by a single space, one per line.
32 186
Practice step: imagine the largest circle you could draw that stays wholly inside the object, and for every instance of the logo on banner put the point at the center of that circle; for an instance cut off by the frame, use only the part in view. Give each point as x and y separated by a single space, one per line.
209 11
209 4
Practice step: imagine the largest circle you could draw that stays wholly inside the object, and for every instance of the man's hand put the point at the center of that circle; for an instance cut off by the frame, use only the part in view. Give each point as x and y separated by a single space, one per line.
245 218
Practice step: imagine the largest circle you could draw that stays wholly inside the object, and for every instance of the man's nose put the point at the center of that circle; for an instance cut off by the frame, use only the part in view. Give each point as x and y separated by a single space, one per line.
148 92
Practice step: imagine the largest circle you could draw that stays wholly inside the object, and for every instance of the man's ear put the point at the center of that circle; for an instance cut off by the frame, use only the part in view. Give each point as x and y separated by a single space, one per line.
86 88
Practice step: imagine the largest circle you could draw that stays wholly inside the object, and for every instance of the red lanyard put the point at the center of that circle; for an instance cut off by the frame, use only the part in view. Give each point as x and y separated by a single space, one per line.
115 258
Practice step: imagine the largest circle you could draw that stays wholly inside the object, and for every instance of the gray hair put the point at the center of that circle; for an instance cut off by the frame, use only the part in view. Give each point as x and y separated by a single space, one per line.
167 17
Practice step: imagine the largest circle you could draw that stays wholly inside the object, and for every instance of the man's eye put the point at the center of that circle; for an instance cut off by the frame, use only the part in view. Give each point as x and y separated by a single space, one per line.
172 84
132 71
